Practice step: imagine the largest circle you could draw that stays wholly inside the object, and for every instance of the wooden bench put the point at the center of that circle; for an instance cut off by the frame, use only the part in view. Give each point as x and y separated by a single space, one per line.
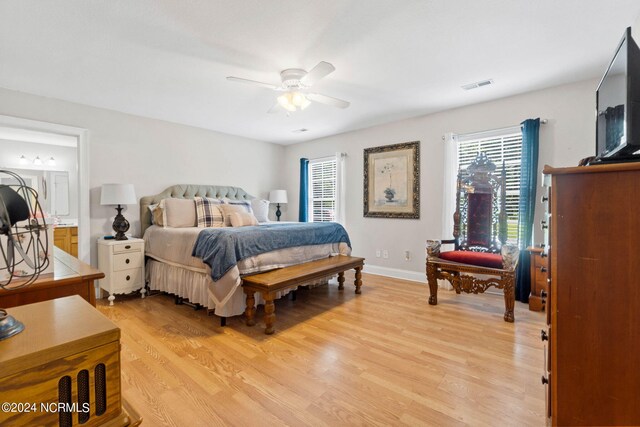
271 282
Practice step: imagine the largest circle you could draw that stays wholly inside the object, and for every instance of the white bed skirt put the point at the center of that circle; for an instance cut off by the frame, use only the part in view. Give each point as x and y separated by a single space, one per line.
194 286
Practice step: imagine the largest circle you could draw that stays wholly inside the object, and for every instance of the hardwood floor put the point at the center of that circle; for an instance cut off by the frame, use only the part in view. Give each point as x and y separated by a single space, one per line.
384 357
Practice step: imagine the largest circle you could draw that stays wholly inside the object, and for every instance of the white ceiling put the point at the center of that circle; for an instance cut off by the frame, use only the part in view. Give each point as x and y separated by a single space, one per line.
168 59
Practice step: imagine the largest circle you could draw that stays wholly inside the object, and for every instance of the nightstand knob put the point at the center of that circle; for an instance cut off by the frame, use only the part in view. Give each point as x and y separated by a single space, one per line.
544 380
128 277
127 262
543 225
543 335
128 247
542 269
544 199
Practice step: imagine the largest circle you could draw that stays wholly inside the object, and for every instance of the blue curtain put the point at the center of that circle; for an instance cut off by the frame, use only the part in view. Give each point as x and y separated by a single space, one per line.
303 213
527 205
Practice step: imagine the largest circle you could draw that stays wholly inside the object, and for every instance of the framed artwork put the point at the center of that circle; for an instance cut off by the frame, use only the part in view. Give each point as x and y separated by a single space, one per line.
392 181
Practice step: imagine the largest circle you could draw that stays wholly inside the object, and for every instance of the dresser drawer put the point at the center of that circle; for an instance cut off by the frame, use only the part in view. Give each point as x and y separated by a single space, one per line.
128 247
127 260
539 262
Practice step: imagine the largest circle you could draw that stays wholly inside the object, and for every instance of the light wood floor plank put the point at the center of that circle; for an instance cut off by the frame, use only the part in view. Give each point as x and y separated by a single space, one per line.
384 357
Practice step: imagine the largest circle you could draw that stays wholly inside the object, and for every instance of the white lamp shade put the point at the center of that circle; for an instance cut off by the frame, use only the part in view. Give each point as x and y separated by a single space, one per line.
278 196
118 194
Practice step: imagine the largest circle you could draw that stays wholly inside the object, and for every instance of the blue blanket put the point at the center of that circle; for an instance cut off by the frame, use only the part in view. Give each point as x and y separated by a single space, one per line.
222 248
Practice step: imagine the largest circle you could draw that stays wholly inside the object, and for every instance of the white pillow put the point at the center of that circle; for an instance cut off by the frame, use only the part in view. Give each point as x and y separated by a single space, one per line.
178 213
260 209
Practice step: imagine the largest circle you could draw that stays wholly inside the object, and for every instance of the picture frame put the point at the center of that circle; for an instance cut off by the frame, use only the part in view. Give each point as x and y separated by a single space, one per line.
392 181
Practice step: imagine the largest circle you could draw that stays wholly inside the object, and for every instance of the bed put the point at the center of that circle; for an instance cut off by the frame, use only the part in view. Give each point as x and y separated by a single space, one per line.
171 268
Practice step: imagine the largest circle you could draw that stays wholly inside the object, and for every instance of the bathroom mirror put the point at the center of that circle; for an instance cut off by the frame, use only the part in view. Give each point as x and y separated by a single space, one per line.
52 188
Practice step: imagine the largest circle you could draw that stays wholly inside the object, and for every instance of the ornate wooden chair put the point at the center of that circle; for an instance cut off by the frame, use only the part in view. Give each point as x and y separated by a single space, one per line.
480 234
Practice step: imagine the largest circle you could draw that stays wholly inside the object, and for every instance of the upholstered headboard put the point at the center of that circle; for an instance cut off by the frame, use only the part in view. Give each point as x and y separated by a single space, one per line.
188 191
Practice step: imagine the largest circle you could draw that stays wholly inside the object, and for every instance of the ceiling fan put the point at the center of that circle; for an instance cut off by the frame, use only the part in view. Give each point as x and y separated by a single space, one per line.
295 85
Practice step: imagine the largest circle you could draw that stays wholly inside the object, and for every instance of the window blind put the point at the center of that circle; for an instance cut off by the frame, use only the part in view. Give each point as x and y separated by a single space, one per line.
323 189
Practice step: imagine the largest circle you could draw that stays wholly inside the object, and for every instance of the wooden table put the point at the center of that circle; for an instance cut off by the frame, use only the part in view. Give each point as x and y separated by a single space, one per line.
70 277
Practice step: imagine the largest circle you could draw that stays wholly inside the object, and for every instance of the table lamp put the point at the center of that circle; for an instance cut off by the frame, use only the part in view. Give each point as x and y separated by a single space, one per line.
278 196
118 194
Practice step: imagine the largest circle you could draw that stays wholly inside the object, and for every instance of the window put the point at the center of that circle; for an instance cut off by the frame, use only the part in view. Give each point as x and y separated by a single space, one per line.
503 145
323 189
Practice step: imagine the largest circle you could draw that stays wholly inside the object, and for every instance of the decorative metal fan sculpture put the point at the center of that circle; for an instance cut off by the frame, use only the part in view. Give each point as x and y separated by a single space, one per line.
23 243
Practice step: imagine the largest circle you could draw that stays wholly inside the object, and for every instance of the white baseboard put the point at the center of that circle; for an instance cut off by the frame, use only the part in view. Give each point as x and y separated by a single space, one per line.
396 273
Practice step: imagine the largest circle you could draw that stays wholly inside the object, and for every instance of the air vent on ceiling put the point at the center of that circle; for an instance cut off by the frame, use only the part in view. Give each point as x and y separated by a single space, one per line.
477 84
300 130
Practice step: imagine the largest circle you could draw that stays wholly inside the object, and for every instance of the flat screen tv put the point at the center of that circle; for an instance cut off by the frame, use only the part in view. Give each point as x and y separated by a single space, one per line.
618 105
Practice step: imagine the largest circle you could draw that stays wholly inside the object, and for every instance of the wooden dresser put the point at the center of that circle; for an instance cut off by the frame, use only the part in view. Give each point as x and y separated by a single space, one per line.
593 312
70 277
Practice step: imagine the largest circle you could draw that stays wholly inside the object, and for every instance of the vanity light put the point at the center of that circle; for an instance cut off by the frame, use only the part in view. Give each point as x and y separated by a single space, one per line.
51 162
23 160
37 161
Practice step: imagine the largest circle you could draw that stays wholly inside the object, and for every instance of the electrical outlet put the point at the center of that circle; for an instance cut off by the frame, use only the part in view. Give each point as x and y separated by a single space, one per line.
407 255
385 254
377 253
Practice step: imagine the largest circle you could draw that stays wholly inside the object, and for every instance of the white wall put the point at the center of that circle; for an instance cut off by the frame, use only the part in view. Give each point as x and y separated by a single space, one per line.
151 154
564 140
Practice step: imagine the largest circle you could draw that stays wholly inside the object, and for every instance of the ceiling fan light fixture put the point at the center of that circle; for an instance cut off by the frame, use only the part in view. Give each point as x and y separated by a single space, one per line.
292 101
296 98
285 102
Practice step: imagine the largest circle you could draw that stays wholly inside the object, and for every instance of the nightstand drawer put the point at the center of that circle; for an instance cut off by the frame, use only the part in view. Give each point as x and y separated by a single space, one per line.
125 261
128 247
126 280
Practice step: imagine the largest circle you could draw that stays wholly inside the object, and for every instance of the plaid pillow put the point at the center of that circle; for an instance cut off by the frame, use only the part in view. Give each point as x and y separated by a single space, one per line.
208 212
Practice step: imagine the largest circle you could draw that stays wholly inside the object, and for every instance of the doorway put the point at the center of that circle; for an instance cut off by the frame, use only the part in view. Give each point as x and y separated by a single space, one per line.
55 160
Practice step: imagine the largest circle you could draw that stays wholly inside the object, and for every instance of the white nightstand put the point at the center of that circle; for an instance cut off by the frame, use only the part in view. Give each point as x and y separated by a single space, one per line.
122 262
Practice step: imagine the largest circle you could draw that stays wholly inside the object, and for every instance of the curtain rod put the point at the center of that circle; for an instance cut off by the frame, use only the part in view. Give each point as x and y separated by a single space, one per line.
542 122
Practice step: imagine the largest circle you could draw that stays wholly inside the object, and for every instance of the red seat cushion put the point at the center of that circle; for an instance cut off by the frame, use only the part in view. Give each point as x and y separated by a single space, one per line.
482 259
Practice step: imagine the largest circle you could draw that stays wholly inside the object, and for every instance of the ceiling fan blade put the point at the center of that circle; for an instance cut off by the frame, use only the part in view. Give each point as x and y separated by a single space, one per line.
275 109
328 100
319 71
253 82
